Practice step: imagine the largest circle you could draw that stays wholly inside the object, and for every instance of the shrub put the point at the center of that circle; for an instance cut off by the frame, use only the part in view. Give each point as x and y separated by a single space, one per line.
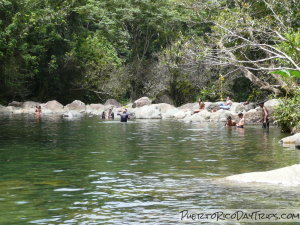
287 114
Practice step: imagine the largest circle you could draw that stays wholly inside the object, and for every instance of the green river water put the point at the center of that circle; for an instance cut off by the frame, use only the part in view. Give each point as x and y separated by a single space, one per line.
89 171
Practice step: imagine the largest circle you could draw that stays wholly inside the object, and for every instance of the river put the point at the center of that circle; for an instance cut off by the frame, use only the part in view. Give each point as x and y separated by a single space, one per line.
88 171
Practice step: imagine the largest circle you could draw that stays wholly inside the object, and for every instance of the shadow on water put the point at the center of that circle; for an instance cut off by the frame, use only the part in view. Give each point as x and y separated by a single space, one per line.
87 171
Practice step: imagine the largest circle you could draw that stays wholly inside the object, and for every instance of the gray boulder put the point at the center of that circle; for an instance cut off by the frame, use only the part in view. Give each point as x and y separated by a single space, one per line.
112 102
141 102
53 105
253 115
146 112
76 105
30 104
164 98
189 107
95 109
287 176
291 141
15 104
271 104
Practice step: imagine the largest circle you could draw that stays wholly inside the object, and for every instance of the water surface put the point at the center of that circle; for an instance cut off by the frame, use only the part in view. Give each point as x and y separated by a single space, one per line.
87 171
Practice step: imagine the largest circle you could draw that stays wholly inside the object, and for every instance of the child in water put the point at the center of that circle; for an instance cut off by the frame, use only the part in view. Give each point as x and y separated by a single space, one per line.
241 123
230 122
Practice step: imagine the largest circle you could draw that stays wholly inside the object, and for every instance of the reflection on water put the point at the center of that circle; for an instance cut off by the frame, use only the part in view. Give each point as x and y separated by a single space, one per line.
87 171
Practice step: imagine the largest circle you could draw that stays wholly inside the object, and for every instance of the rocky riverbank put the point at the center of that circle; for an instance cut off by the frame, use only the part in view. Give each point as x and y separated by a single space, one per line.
143 109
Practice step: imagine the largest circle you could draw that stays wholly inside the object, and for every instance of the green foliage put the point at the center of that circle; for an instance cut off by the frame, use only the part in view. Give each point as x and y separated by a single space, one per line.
287 113
209 93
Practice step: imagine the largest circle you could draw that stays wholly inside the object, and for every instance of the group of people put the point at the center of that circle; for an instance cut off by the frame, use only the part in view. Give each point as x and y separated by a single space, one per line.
241 123
124 116
265 118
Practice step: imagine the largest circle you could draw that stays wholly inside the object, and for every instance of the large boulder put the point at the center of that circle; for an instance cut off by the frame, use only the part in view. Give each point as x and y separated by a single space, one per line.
15 104
164 98
76 105
253 116
170 113
30 105
146 112
53 105
202 116
220 116
112 102
271 104
213 106
163 107
190 107
141 102
73 114
95 109
4 110
291 141
181 114
288 176
239 107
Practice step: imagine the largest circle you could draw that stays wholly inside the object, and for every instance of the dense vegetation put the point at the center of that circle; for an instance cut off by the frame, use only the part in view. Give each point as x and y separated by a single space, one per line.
169 50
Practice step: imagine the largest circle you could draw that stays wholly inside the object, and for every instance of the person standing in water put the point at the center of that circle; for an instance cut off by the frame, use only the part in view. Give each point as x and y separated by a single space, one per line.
241 123
38 111
265 116
124 116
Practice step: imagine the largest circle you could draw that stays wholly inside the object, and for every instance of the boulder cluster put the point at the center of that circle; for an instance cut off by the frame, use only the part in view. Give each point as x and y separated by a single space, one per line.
144 109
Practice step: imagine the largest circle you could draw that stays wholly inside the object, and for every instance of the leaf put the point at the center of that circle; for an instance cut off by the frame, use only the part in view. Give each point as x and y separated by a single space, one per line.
287 73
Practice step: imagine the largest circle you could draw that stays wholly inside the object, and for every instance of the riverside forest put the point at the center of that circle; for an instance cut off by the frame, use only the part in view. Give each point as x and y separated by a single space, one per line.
132 111
172 51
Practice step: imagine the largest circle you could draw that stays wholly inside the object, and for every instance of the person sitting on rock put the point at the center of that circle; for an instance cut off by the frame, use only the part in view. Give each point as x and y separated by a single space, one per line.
230 122
201 106
241 123
227 104
103 116
124 116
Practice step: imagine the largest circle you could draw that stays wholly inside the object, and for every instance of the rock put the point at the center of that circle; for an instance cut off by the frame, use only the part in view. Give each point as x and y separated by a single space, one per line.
291 141
30 105
146 112
170 113
95 109
4 110
141 102
236 107
190 106
202 116
213 106
112 102
289 176
271 104
15 104
220 116
72 114
253 115
181 114
163 99
163 107
53 106
239 107
76 105
249 106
